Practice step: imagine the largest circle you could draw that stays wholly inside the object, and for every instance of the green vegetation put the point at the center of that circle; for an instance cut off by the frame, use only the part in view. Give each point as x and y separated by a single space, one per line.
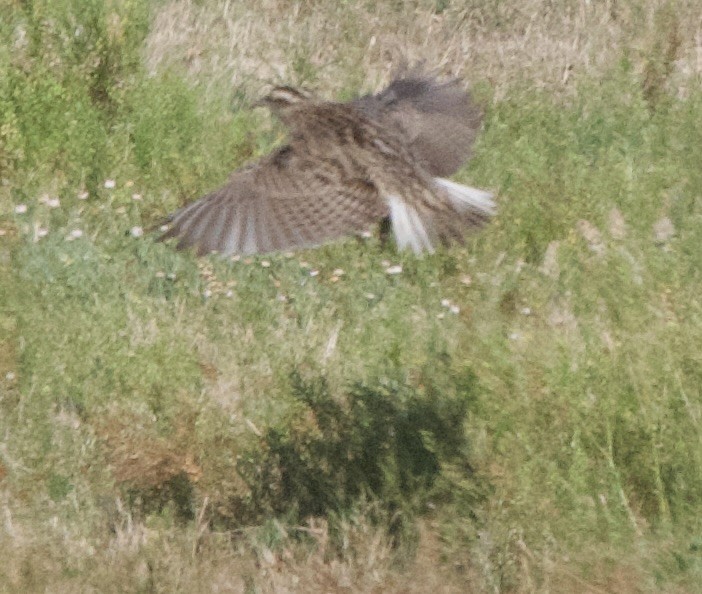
311 421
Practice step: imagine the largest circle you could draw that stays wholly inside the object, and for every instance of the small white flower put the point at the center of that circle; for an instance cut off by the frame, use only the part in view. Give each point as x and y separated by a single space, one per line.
397 269
136 231
441 315
42 231
83 195
207 293
76 233
163 228
10 376
526 311
370 296
136 197
21 208
314 272
171 276
53 202
338 272
366 234
229 293
445 303
110 184
265 264
455 310
514 336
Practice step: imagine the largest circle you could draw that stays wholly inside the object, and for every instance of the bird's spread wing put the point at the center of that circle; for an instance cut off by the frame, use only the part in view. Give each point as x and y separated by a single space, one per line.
276 204
439 119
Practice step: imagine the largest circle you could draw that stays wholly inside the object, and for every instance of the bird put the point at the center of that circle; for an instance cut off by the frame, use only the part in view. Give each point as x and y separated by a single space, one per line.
345 167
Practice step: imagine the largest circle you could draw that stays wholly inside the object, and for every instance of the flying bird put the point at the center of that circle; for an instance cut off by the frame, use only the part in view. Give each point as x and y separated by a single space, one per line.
345 167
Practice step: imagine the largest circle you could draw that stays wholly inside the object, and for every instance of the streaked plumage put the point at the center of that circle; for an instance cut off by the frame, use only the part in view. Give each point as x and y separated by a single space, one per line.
438 120
345 167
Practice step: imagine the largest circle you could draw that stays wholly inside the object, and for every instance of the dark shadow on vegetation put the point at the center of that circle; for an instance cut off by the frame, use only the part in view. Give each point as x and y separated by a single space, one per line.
383 441
175 495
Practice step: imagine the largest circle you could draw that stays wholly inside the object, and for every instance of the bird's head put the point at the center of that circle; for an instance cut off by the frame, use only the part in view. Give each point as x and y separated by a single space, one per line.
282 99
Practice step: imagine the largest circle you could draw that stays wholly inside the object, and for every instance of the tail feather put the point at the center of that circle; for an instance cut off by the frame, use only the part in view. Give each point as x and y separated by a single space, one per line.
466 199
408 226
464 207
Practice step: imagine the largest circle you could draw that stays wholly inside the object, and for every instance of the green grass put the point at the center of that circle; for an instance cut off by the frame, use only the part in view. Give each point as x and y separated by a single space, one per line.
165 422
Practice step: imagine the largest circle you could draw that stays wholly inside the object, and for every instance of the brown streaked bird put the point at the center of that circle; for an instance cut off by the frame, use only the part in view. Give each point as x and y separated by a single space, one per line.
345 167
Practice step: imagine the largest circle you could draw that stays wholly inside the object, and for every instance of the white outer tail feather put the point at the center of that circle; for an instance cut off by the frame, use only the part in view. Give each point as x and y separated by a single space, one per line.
408 227
466 198
411 231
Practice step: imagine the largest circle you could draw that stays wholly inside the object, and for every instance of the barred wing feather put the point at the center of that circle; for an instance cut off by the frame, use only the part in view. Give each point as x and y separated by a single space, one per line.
274 205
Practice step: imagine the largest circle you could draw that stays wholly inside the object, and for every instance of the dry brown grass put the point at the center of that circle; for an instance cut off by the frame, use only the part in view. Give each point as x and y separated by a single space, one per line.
137 557
343 47
141 458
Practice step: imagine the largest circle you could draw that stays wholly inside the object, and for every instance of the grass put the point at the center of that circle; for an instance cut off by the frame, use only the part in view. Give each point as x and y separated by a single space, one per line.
311 422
